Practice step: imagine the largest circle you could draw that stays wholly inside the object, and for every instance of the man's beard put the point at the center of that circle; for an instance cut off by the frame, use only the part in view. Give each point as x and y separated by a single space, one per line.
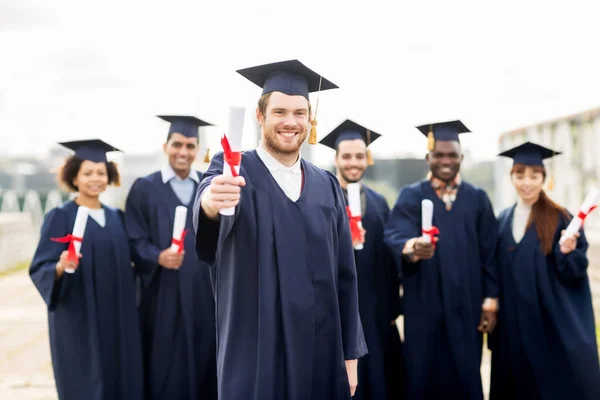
273 145
348 180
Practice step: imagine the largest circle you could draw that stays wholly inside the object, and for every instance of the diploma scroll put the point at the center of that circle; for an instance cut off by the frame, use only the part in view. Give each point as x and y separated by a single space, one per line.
427 229
76 237
232 148
179 230
588 205
354 205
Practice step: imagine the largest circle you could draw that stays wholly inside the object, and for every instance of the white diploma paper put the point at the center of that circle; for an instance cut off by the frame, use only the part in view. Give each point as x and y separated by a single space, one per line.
355 206
591 200
426 218
78 230
178 226
234 136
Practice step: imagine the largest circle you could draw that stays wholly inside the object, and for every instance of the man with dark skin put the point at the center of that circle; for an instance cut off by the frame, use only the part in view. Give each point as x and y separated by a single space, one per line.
450 284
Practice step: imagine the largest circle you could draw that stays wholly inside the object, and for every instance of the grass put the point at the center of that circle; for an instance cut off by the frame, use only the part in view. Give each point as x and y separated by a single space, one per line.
20 266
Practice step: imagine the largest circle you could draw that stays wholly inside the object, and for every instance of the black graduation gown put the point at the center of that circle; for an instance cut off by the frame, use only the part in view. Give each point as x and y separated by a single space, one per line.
92 319
177 306
381 372
443 295
544 346
285 282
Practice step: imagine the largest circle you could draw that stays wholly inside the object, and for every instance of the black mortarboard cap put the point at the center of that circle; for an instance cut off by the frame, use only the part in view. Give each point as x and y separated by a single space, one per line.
91 149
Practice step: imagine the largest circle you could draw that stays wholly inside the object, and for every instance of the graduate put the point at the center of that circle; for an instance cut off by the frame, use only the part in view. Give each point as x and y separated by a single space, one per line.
544 346
282 266
450 285
92 317
380 372
177 307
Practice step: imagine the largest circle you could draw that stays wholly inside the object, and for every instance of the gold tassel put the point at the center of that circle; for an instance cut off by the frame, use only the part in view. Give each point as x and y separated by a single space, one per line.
369 156
207 156
312 138
430 140
551 183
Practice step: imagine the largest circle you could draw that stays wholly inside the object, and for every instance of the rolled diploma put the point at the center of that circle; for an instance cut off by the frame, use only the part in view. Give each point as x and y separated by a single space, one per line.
78 230
178 225
354 204
591 200
426 218
234 136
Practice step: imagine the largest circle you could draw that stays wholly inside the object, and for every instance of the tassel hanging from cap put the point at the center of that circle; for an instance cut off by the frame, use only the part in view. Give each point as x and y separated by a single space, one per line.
430 140
551 183
369 155
312 138
207 156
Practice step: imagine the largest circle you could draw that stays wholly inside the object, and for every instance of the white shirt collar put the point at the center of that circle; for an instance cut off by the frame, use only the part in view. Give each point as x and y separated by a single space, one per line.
274 165
168 173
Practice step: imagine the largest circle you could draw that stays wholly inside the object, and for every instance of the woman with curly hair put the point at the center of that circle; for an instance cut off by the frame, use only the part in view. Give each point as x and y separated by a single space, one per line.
544 346
93 326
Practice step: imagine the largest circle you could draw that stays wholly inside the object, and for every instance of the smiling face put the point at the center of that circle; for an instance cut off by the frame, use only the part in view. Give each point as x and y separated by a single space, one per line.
284 123
351 160
445 159
181 152
528 181
92 178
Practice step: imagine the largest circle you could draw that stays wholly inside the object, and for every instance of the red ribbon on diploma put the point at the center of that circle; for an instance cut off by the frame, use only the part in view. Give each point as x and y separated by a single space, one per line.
431 233
179 242
233 158
354 228
71 249
582 216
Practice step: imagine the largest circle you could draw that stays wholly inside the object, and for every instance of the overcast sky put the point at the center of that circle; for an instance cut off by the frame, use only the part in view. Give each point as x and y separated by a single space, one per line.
73 69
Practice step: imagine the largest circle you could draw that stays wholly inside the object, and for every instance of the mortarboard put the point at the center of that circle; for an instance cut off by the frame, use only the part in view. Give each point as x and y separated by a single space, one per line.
92 149
531 154
350 130
187 126
290 77
442 131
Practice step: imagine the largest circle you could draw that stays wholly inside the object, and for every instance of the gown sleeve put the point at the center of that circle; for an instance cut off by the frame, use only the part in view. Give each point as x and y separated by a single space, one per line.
487 232
43 265
573 266
144 253
352 332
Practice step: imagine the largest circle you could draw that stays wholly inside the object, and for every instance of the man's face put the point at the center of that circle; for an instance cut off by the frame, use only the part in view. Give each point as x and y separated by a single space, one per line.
445 159
351 160
285 123
181 152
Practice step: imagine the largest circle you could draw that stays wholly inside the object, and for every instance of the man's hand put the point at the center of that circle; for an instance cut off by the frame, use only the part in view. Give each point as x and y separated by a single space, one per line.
361 240
352 371
223 192
170 259
424 251
488 322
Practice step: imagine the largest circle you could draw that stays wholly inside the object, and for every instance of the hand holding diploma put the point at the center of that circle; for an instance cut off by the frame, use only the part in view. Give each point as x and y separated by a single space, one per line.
232 149
69 260
588 205
354 215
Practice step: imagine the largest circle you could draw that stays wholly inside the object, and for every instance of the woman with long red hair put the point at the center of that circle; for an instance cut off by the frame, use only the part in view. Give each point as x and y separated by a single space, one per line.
544 346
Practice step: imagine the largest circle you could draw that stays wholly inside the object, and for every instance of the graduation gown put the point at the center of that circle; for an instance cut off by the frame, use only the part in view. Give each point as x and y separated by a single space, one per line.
544 346
92 318
443 295
285 283
177 306
381 373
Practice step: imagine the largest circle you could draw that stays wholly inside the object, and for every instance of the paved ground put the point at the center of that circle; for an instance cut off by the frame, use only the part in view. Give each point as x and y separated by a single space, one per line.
25 366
